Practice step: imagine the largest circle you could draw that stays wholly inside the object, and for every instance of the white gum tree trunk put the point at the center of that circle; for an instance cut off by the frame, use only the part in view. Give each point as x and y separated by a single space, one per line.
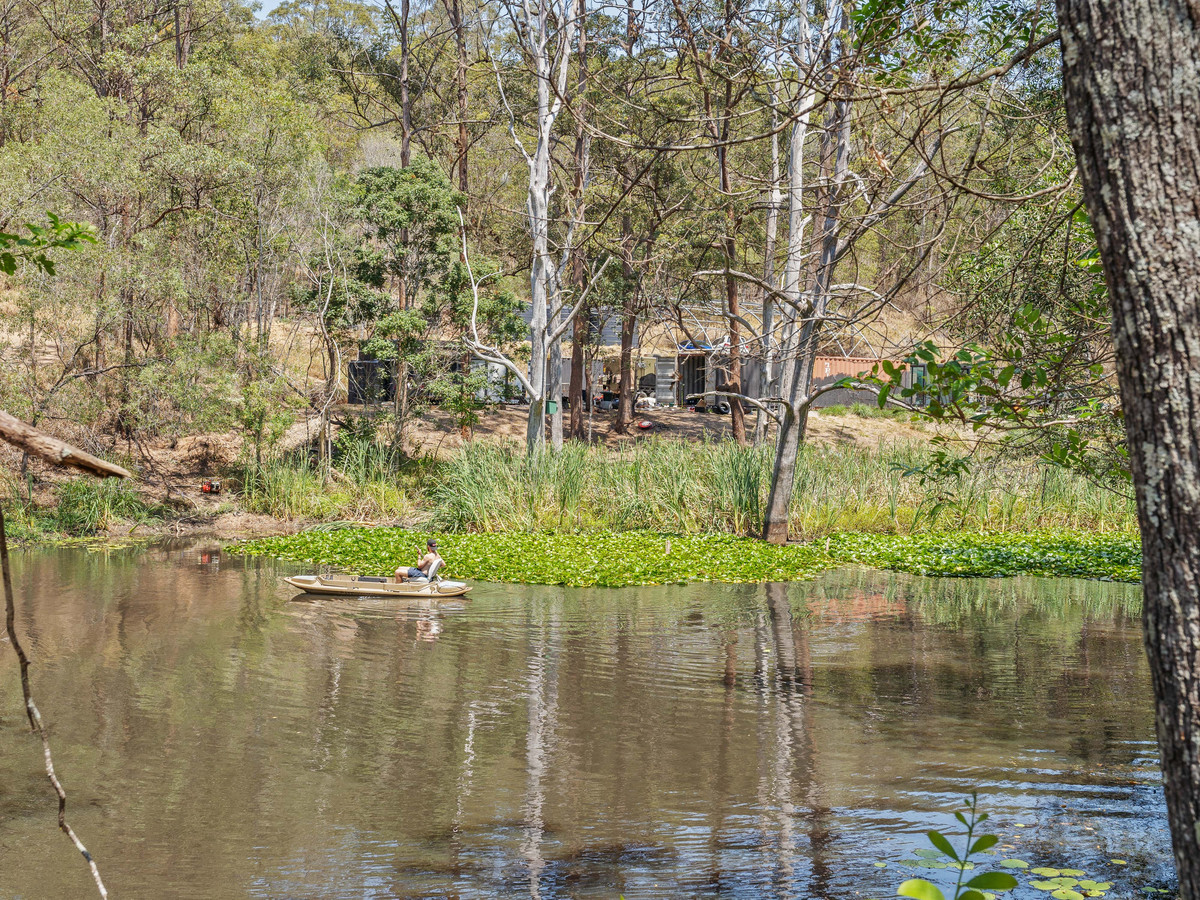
793 327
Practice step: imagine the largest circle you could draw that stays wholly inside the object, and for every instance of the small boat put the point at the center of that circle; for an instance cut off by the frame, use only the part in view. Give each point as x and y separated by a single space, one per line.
371 586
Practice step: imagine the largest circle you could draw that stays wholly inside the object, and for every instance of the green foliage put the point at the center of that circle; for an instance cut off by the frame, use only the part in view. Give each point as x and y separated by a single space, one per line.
35 246
697 487
89 505
605 559
412 216
1056 553
264 416
617 559
367 481
1041 372
977 887
1059 883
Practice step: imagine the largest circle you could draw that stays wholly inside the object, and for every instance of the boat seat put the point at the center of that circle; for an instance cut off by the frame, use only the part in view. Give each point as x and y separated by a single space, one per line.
433 570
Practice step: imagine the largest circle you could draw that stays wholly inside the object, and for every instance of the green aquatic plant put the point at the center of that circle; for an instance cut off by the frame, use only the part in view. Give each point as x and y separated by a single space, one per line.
978 887
623 558
604 559
1068 554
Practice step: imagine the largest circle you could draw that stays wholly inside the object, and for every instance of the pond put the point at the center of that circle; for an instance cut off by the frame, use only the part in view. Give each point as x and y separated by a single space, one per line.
218 738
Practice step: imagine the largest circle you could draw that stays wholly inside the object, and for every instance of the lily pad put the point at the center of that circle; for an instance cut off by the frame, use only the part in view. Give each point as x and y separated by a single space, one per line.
1046 872
1044 885
1064 882
1118 862
881 865
1014 864
1074 873
1066 894
929 854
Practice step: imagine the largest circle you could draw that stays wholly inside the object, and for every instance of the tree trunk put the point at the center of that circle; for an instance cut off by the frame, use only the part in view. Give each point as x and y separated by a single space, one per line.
462 143
794 326
578 341
1132 85
554 367
183 37
774 199
628 323
579 332
405 99
783 477
737 413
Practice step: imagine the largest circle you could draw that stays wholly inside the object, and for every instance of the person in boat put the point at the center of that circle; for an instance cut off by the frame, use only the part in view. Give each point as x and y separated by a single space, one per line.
423 566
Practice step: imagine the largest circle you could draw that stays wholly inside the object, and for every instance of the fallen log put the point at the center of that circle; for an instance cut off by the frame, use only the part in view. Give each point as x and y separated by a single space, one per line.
53 450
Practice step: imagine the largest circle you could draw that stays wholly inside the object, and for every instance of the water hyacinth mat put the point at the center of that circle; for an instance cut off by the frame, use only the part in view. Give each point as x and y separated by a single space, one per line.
622 559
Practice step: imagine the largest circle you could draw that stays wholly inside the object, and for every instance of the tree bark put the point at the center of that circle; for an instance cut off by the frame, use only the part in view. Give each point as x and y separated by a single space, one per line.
774 198
737 413
405 99
41 445
578 341
791 360
628 323
1132 83
462 143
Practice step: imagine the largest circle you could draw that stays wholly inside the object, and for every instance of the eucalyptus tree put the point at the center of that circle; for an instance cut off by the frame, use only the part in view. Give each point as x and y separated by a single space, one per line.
543 33
867 125
1131 76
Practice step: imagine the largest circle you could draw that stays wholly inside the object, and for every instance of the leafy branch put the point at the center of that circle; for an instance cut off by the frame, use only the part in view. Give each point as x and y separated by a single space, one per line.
920 889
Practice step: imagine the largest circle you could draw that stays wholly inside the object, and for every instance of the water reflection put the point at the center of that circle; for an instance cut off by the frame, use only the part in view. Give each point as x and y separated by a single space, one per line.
741 741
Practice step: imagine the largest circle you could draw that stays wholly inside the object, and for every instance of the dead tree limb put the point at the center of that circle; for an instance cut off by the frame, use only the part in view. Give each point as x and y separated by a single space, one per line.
53 450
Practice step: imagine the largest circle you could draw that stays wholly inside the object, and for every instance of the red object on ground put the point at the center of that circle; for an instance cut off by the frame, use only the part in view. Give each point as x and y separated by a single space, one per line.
645 424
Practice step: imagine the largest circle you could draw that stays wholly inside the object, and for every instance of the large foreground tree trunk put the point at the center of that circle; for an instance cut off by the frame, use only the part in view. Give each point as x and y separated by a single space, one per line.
1132 84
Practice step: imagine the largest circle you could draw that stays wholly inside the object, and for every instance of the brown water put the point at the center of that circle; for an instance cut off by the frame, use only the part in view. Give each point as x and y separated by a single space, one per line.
219 740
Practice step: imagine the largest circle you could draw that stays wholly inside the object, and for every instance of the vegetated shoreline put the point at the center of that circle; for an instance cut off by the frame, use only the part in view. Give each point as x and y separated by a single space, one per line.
627 559
879 505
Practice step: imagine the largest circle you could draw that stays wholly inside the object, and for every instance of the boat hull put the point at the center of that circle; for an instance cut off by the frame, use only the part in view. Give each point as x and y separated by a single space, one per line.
353 586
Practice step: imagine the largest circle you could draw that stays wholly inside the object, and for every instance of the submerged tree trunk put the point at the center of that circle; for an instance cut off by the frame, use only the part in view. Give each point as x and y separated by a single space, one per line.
1132 85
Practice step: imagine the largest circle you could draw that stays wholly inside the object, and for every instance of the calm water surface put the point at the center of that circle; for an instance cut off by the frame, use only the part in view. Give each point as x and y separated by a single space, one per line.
218 739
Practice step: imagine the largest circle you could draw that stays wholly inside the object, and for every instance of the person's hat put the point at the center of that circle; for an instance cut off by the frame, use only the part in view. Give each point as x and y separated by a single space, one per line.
431 543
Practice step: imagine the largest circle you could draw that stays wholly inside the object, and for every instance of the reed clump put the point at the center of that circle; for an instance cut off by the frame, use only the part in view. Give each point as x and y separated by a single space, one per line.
689 488
366 481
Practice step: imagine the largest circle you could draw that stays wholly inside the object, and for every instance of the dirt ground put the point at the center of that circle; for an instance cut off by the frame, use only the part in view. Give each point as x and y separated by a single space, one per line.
436 435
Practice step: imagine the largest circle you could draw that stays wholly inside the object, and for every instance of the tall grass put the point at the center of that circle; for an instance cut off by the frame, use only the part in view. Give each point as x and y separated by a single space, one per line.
367 482
688 487
82 507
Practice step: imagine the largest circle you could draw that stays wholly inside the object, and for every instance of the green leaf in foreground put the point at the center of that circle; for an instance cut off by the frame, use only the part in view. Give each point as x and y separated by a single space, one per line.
919 889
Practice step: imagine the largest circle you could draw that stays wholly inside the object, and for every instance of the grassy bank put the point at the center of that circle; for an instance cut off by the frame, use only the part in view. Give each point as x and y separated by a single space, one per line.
618 559
657 485
368 482
81 507
692 488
